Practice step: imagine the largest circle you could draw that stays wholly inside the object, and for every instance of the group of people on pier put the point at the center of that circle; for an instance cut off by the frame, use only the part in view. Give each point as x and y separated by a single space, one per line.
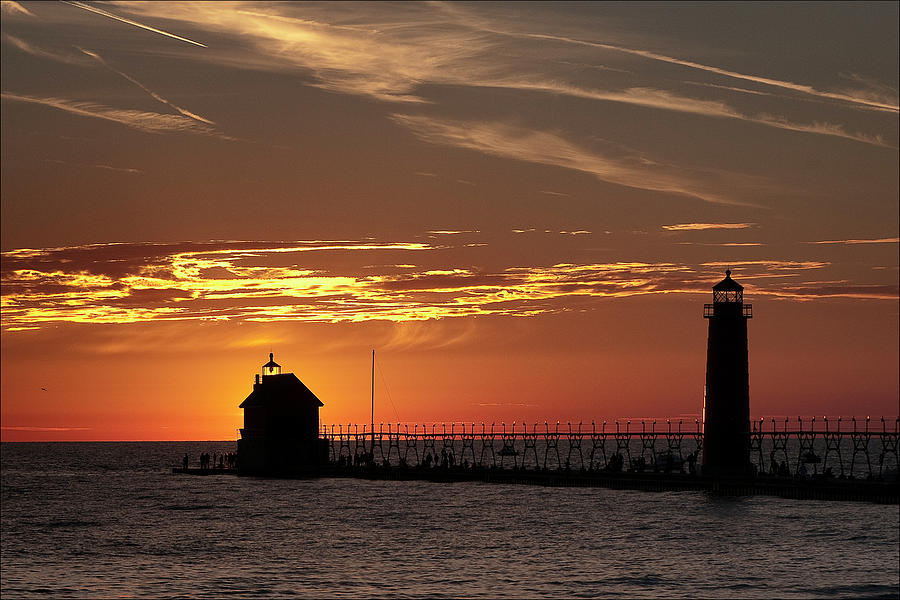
670 463
665 462
225 460
447 460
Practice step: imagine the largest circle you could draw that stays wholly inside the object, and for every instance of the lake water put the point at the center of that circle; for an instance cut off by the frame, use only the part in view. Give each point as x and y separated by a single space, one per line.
90 520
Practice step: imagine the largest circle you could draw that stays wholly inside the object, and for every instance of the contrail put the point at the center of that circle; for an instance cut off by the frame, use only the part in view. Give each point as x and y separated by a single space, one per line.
797 87
130 22
148 122
153 94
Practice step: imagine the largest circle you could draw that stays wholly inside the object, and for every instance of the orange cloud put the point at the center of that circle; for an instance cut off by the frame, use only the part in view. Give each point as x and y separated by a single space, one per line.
892 240
705 226
245 281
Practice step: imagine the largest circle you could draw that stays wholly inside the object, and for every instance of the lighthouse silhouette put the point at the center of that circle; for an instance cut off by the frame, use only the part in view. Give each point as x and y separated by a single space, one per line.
726 402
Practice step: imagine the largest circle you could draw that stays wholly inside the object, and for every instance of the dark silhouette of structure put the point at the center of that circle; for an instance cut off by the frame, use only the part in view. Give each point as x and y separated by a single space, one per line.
281 425
726 403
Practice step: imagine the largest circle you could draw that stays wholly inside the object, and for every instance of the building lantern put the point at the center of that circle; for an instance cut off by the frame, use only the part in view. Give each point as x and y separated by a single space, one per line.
271 367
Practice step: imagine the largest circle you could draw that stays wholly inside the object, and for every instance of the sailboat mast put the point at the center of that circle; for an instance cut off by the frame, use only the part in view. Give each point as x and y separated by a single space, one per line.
373 400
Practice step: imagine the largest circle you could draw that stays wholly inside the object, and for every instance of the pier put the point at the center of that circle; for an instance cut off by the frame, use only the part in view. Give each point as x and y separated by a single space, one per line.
806 459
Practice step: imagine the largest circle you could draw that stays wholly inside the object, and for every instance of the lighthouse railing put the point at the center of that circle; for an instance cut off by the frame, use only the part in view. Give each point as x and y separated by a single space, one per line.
709 310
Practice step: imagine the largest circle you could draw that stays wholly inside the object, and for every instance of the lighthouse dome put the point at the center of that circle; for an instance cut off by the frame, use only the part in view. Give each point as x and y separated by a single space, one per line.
728 284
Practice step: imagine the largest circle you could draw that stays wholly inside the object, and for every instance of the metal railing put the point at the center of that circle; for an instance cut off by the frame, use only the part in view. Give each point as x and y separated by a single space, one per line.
779 447
710 311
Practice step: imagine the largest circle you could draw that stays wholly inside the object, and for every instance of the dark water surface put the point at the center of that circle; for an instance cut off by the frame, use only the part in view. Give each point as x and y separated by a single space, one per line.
95 520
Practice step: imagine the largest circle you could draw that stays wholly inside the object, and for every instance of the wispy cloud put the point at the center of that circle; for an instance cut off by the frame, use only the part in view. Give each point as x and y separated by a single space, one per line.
96 166
509 141
387 58
815 290
832 129
871 88
670 101
724 245
8 7
771 265
150 92
892 240
705 226
729 88
394 58
148 122
44 53
110 15
41 429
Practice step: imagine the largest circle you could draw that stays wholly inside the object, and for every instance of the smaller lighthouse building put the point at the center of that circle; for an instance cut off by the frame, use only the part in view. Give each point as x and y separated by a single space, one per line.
281 425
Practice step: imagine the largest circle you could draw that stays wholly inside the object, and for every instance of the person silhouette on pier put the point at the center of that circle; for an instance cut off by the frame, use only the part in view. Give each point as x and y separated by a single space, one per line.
184 462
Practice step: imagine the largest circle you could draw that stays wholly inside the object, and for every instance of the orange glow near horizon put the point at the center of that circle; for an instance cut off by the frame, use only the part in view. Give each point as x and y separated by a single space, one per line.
646 360
521 208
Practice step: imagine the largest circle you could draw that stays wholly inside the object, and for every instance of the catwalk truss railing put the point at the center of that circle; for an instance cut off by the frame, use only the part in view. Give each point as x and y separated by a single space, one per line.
847 448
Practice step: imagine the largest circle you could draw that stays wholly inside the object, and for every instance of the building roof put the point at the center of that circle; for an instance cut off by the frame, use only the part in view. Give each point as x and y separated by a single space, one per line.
280 388
728 284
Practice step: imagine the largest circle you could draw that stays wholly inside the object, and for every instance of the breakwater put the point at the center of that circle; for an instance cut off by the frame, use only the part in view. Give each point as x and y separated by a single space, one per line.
811 488
819 488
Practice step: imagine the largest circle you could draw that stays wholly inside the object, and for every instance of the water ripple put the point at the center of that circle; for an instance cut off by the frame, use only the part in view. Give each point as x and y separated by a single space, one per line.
73 529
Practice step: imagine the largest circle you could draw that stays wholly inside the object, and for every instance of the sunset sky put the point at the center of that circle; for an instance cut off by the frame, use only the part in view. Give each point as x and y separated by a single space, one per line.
521 207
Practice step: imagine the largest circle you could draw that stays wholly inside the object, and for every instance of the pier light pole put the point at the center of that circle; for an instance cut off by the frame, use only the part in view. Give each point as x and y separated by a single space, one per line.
373 402
726 410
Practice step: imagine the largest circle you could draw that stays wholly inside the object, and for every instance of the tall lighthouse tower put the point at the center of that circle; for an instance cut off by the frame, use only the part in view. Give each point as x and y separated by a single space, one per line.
726 403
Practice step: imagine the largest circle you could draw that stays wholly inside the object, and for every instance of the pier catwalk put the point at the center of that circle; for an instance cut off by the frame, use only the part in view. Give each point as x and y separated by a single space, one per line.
803 459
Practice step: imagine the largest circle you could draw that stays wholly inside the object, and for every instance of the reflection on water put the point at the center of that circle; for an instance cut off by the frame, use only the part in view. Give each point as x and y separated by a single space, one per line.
108 519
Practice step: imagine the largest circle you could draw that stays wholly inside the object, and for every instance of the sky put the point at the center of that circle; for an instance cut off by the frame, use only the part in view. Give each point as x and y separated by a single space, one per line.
521 207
